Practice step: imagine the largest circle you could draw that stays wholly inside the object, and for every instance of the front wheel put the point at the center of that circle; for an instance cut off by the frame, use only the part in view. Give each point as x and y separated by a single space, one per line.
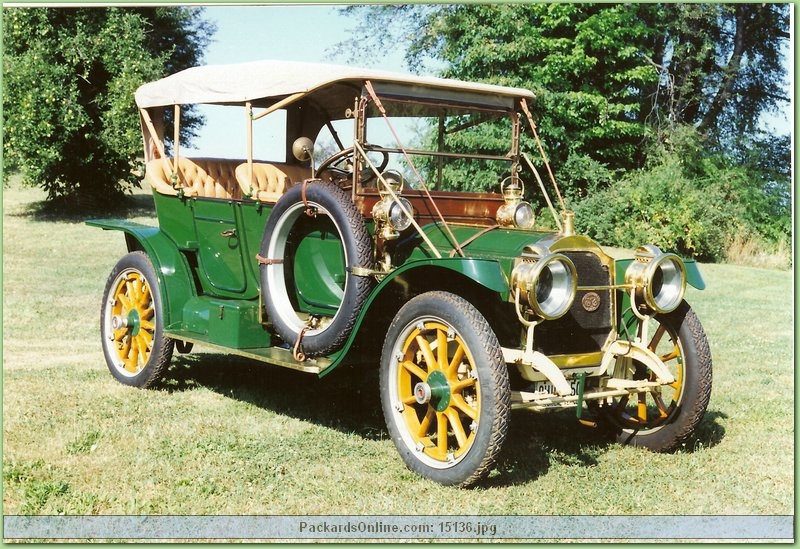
136 350
444 389
663 419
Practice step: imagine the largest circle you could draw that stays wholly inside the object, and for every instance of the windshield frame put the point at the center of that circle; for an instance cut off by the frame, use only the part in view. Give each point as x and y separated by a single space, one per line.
454 102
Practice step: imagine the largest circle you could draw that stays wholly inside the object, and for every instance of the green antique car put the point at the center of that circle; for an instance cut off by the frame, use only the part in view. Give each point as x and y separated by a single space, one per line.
391 220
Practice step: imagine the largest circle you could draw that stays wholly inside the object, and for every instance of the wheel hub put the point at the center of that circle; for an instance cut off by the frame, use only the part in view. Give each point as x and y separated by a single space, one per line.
131 322
118 321
434 391
422 392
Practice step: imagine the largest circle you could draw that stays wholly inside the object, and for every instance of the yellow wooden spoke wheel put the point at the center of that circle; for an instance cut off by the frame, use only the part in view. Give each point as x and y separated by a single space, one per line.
663 418
445 389
135 348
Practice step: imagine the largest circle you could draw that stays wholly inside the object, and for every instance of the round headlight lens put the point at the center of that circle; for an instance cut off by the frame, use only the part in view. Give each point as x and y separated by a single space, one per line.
523 216
398 219
547 285
659 279
667 284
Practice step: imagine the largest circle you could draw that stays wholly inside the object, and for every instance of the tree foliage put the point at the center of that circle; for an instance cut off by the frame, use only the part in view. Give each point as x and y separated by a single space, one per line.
646 96
71 125
720 65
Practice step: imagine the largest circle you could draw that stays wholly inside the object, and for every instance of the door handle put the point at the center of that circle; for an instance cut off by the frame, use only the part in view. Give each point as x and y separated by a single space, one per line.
228 233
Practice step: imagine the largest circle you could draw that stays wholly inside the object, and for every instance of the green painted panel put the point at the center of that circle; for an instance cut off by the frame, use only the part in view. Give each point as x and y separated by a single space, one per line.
693 275
498 243
172 269
219 246
230 323
316 265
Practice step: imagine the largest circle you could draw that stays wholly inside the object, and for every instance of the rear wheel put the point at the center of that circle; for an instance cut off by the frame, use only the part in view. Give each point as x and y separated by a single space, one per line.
131 317
663 419
444 389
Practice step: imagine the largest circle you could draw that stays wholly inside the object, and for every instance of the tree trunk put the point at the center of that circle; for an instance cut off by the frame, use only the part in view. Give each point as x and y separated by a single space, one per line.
744 15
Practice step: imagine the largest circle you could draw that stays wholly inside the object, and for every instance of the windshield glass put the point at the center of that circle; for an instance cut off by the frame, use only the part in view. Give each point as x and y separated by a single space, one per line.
451 148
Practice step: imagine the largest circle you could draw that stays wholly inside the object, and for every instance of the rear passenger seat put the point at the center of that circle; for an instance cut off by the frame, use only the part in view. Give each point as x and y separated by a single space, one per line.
224 178
269 181
205 177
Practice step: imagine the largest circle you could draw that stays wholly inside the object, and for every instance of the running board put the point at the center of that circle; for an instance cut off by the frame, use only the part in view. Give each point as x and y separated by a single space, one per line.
278 356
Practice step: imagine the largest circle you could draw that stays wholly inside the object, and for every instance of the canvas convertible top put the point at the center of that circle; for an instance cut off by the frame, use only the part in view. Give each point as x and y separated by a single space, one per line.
275 80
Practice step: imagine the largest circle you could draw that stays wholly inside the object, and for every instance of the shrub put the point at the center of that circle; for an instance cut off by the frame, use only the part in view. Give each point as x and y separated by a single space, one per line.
664 207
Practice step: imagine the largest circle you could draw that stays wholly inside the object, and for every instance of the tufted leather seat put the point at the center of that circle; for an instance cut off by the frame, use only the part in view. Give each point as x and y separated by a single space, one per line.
270 181
224 178
206 177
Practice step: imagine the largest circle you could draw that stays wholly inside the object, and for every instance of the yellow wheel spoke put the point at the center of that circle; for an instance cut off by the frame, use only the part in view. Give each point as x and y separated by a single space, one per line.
425 424
455 362
427 353
145 340
458 386
441 349
132 362
670 356
126 303
125 349
458 428
642 408
147 325
147 313
144 297
130 290
441 434
459 402
414 370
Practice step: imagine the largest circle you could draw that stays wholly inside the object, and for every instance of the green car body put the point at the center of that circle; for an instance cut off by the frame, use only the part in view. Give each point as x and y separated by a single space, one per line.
467 306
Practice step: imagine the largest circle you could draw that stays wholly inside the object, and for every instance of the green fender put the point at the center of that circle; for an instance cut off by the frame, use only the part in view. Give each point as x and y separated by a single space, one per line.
693 275
172 270
486 272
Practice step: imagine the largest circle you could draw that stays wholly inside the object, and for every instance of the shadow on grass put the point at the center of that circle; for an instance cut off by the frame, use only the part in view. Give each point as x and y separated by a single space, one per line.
127 206
348 401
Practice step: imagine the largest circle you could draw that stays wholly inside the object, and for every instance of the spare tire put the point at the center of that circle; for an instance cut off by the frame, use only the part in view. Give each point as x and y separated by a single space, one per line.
312 241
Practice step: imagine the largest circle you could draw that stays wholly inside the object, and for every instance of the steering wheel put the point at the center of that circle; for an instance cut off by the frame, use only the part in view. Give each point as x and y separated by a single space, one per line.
340 165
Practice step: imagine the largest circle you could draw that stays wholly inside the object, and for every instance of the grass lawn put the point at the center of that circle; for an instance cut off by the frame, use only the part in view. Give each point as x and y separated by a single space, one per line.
230 436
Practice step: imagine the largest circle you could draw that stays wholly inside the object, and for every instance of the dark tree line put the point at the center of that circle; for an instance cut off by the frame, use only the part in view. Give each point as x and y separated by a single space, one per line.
70 121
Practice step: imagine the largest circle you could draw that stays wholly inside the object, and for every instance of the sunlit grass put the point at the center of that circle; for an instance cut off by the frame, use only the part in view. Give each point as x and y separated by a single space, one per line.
230 436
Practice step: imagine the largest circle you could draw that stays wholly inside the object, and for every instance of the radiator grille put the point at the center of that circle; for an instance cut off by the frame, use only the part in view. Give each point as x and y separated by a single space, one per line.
587 324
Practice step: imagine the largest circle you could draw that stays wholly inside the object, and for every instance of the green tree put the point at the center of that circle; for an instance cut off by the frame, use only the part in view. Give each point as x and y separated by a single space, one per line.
622 86
581 61
71 124
720 65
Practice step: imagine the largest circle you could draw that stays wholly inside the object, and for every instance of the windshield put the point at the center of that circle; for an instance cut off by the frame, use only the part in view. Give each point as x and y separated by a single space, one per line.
450 148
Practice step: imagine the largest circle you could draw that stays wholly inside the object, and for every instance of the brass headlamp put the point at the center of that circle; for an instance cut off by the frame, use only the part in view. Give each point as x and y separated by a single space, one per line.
390 217
515 212
544 281
658 280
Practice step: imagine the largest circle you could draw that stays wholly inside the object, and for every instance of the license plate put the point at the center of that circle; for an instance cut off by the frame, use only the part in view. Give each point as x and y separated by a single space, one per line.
547 388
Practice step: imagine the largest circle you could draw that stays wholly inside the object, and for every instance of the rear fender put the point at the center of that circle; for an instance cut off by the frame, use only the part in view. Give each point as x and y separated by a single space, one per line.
172 269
